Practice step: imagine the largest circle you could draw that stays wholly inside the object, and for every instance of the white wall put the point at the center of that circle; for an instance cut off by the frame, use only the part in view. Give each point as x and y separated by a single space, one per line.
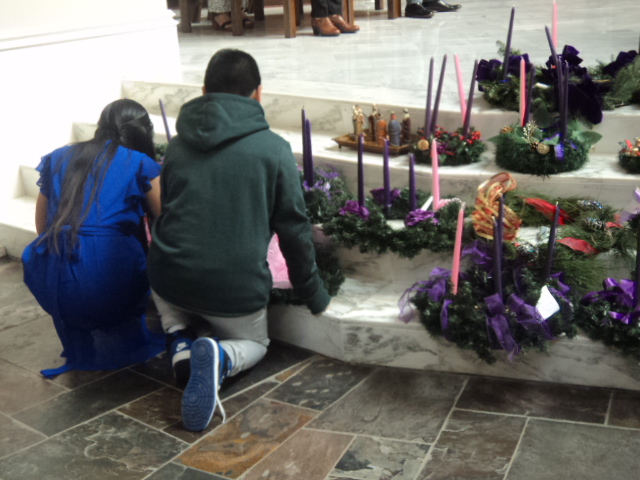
63 61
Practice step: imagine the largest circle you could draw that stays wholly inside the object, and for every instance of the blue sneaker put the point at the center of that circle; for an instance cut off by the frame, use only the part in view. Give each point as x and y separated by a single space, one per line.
179 349
209 366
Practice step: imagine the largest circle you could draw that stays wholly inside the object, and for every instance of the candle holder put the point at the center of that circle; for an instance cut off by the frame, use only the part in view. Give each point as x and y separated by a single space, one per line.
350 141
454 148
629 155
535 151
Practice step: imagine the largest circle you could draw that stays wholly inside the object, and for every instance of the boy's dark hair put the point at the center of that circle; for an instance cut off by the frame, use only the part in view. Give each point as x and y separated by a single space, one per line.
232 71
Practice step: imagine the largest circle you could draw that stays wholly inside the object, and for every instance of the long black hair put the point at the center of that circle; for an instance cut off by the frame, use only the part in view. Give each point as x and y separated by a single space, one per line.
122 123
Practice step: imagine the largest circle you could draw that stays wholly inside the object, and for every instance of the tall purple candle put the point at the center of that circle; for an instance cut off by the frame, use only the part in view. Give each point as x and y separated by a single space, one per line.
304 143
501 220
565 100
361 169
387 178
309 175
412 182
164 120
552 245
467 116
532 79
427 117
637 276
507 50
436 105
497 258
554 54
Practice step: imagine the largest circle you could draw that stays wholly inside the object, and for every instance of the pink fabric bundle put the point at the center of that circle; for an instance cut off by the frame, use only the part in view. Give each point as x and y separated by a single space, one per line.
277 265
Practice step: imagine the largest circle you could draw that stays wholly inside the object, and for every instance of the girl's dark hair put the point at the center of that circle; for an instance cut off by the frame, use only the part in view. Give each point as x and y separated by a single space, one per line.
122 123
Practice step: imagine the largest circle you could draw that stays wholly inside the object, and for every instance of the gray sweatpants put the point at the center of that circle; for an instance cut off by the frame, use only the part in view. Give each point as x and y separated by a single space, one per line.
244 339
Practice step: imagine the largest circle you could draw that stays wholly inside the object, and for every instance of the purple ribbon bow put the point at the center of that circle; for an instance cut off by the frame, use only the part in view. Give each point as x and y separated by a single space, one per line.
352 207
378 195
498 326
529 317
435 288
417 216
619 295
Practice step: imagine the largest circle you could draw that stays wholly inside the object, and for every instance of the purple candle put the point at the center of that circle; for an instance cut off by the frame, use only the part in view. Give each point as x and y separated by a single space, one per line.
554 54
164 120
309 175
637 276
467 116
427 117
507 50
501 220
497 258
552 245
387 178
532 79
565 101
304 143
436 104
361 169
412 183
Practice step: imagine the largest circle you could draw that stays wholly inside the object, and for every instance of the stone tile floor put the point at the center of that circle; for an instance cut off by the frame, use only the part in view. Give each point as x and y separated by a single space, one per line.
296 416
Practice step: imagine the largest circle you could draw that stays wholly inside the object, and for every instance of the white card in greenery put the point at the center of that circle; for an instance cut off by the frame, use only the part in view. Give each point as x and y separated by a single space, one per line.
547 305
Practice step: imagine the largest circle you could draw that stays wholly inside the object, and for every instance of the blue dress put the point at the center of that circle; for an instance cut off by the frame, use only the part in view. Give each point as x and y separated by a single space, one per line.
97 294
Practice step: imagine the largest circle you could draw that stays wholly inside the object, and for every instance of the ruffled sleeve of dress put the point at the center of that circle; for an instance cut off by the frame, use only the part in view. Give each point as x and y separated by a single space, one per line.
44 182
146 170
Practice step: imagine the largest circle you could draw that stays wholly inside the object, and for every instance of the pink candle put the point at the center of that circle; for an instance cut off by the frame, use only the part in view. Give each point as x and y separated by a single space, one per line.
463 105
435 177
523 92
554 24
457 247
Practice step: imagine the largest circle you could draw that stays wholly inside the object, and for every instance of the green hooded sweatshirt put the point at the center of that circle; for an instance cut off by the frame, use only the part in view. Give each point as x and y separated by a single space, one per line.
228 184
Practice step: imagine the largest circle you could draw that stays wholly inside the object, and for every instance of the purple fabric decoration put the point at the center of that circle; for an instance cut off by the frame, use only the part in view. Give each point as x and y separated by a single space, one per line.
498 324
623 59
488 70
618 294
319 185
417 216
632 210
479 252
435 288
529 317
378 195
353 207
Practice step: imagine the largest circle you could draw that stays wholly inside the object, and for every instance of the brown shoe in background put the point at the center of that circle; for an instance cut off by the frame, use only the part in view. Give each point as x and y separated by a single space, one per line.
324 27
342 24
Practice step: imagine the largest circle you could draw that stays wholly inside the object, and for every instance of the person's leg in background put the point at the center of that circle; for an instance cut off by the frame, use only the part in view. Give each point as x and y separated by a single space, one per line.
326 19
414 9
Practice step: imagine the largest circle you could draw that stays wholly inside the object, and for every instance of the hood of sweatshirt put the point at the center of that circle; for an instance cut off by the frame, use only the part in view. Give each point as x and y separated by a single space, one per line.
213 119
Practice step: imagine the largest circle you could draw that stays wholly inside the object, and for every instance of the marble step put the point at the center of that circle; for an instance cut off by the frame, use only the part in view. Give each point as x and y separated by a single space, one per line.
332 115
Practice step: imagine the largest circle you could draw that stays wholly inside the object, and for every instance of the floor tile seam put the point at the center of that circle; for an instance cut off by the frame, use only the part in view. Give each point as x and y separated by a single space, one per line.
427 458
273 378
228 418
607 416
149 377
373 437
558 420
366 377
187 445
515 450
264 459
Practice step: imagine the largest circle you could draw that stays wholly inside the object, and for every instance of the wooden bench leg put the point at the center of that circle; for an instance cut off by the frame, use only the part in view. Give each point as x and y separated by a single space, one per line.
348 11
289 18
236 18
185 16
392 9
379 4
299 7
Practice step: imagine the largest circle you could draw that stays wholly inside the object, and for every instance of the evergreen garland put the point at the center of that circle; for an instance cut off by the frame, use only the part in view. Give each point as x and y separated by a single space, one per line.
532 150
375 235
330 272
453 148
467 314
